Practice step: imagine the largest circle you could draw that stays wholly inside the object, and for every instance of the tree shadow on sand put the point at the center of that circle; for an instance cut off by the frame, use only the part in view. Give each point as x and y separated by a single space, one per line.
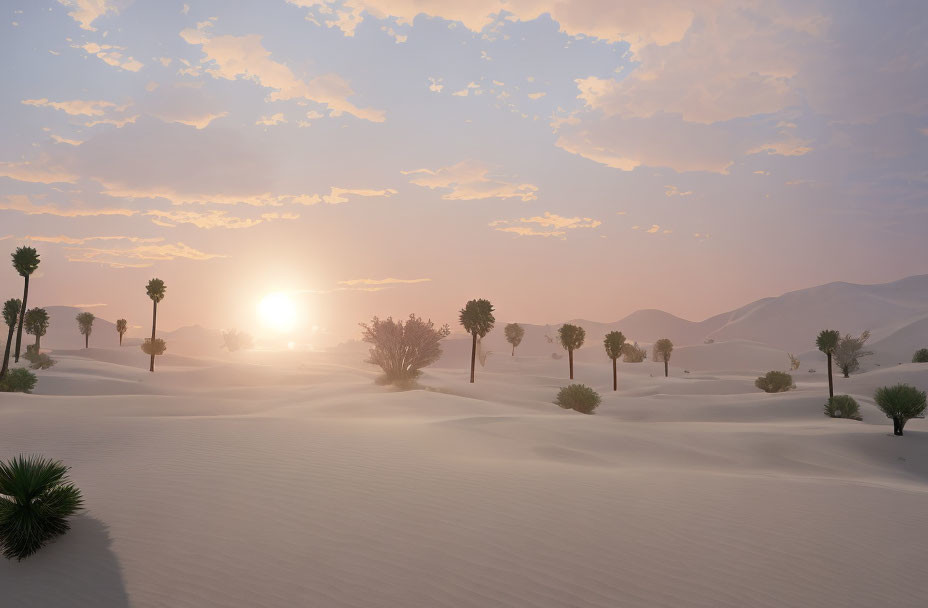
77 569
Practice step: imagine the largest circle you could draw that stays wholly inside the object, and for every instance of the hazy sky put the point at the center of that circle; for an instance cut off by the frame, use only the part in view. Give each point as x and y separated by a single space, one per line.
568 158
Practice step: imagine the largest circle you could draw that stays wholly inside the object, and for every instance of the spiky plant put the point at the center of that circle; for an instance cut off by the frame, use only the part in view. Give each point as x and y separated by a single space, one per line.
37 325
827 342
514 334
477 319
155 290
85 325
901 403
10 314
662 350
614 343
25 261
36 500
121 327
571 337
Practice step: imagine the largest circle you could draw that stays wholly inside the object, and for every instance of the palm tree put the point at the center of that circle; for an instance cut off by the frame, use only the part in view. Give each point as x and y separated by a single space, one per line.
155 290
827 342
572 337
85 325
477 319
37 325
615 344
10 314
514 334
36 499
25 261
662 350
121 326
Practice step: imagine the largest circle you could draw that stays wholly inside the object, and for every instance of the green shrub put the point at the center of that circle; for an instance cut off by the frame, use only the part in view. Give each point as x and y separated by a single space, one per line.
18 380
578 397
901 403
920 356
36 499
775 382
842 406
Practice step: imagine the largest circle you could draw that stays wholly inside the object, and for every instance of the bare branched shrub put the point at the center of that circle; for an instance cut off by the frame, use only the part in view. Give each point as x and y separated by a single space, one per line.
401 349
36 359
793 362
632 353
849 351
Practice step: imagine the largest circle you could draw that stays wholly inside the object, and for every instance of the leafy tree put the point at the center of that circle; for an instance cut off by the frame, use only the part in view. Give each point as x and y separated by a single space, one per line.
827 342
662 350
403 349
842 406
514 334
25 261
614 343
234 340
36 500
477 319
849 351
85 325
901 403
571 337
10 315
578 397
632 353
18 380
775 382
920 356
36 324
122 326
155 290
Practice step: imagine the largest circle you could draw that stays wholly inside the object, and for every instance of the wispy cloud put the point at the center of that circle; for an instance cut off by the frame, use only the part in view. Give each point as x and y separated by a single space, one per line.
471 180
546 225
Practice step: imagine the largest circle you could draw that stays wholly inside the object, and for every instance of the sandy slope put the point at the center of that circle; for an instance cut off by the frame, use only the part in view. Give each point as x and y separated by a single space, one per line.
292 480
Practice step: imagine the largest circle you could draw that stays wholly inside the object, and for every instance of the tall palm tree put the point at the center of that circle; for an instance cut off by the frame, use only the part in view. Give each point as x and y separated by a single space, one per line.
827 342
85 325
121 326
615 344
155 290
662 350
572 337
477 319
37 325
514 334
25 261
10 314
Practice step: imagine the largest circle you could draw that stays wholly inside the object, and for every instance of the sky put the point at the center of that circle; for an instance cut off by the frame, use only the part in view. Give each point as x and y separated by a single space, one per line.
563 158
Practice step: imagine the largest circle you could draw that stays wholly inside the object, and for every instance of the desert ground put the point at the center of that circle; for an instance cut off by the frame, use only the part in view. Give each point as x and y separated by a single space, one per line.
292 479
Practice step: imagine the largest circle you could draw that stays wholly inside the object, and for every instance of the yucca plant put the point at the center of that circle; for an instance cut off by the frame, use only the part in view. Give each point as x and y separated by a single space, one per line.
25 261
827 342
10 315
614 343
477 319
36 500
155 290
900 402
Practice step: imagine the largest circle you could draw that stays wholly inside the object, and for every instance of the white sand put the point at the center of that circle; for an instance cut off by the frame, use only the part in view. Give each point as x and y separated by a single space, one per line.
292 480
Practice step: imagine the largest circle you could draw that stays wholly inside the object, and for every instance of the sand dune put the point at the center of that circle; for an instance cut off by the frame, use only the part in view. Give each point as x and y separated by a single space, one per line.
284 479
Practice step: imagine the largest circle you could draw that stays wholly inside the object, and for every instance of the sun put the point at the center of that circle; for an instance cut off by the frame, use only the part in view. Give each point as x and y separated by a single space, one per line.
277 312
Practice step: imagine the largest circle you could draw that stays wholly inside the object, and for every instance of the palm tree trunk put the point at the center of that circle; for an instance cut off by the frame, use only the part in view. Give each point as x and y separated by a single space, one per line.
22 317
831 384
473 357
86 340
513 350
154 321
570 358
38 343
6 352
120 339
665 367
615 380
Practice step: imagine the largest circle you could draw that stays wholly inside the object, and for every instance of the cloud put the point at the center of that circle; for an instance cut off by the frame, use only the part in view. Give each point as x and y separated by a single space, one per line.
340 195
435 85
546 225
653 229
36 172
213 218
138 256
183 104
235 57
85 12
387 281
272 120
674 191
471 180
111 55
64 140
75 107
22 203
536 95
71 240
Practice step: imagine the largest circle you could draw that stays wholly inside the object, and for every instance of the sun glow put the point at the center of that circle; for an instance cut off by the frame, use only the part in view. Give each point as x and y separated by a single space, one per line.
277 312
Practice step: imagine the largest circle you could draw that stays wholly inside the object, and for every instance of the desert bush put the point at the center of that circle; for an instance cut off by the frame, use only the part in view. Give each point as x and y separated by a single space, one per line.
154 347
849 351
920 356
632 353
403 349
557 356
775 382
842 406
36 359
578 397
793 362
36 500
18 380
901 403
234 340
